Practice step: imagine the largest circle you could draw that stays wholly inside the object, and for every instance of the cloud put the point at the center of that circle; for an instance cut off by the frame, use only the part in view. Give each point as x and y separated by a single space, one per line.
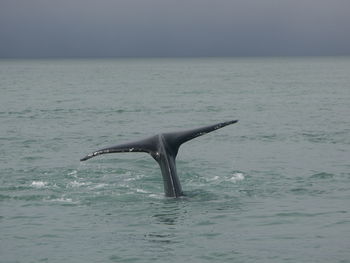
86 28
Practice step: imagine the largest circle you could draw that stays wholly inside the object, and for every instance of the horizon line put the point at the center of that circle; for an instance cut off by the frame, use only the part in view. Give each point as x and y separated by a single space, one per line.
168 57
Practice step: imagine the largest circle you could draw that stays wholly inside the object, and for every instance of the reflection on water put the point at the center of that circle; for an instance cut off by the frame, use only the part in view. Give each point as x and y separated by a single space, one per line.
170 211
168 215
161 238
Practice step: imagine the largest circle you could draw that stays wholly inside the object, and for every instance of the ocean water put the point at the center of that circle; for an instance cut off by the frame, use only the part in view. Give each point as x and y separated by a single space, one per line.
275 187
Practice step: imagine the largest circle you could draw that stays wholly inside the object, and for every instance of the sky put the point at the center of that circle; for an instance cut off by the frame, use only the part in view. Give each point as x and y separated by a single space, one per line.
173 28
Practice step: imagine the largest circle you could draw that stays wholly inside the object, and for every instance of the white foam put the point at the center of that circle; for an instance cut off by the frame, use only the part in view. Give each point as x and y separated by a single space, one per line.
76 184
63 200
237 177
141 191
233 178
215 178
130 179
38 184
98 186
155 196
73 173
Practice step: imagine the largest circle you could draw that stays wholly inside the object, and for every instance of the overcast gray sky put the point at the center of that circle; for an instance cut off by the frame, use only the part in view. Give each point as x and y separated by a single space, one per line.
147 28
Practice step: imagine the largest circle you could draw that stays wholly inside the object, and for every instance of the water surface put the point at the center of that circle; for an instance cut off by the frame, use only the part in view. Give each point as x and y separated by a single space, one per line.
274 187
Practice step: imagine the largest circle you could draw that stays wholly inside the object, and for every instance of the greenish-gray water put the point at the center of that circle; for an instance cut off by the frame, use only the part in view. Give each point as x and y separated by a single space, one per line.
274 187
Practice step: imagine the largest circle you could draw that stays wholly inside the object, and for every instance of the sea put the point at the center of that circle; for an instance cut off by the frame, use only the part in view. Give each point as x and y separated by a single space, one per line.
274 187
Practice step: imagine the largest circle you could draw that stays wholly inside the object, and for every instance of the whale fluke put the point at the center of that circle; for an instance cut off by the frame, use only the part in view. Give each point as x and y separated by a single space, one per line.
145 145
163 148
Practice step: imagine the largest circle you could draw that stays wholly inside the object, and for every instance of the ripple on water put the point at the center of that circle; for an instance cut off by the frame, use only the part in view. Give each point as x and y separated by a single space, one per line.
322 175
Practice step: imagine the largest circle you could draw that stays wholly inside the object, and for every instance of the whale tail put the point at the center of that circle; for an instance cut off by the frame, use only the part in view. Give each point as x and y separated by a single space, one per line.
163 148
151 145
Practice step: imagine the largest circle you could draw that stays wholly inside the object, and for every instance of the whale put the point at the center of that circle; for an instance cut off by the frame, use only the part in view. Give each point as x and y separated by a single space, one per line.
163 148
